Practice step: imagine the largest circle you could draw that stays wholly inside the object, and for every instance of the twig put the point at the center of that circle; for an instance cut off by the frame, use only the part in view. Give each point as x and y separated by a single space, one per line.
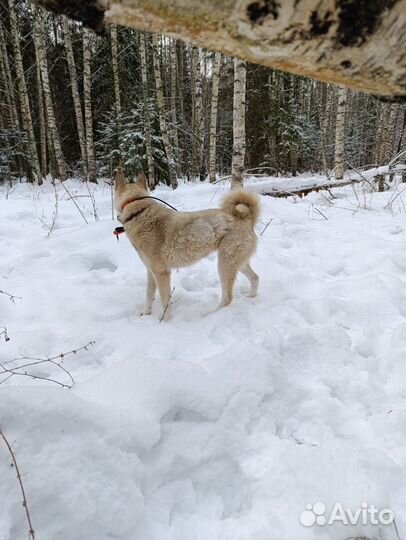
362 176
74 202
167 305
35 377
111 184
396 528
12 297
91 195
265 228
31 533
54 214
4 333
393 198
320 212
37 361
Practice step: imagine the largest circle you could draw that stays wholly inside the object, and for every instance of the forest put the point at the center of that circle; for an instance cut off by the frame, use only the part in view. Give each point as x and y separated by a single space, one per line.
226 364
74 104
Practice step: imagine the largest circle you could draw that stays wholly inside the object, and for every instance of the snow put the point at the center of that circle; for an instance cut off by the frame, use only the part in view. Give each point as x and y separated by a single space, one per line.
217 425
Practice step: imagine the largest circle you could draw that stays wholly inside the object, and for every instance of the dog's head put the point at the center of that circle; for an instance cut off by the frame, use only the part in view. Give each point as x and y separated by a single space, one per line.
124 193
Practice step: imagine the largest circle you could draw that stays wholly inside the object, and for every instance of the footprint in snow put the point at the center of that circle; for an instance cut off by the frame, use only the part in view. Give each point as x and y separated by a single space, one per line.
102 263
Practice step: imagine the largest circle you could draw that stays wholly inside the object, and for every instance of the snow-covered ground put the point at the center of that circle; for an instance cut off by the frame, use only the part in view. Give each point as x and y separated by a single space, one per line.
210 426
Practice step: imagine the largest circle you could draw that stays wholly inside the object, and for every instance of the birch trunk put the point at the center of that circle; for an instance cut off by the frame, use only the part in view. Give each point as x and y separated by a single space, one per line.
8 82
87 91
147 120
323 119
46 88
340 133
198 127
75 94
237 166
42 125
116 78
26 118
162 120
388 133
213 116
174 72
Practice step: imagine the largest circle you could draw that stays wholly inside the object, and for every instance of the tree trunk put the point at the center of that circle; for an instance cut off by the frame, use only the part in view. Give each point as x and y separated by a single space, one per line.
389 131
323 106
339 157
237 166
8 82
116 78
42 124
87 91
46 88
174 115
147 120
26 118
213 115
162 119
351 43
75 94
198 127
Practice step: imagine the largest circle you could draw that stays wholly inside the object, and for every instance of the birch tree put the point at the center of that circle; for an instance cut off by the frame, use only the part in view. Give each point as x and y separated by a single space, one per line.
340 133
147 120
116 78
213 116
162 114
39 43
26 117
7 82
388 132
198 110
41 121
87 91
174 72
237 166
324 105
75 93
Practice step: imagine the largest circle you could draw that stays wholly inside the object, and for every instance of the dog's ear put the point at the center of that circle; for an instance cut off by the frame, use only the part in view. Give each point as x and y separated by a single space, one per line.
119 182
142 181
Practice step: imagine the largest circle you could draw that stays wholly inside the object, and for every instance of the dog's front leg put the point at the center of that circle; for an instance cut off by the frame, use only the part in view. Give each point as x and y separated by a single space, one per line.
151 289
163 281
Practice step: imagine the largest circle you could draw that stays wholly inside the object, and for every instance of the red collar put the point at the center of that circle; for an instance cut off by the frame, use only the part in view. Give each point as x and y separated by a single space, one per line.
128 202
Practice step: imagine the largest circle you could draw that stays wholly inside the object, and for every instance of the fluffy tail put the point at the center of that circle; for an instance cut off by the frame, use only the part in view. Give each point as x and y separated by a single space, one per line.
242 205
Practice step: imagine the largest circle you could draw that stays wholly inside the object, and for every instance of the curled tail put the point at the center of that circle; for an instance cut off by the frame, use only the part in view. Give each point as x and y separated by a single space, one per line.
242 205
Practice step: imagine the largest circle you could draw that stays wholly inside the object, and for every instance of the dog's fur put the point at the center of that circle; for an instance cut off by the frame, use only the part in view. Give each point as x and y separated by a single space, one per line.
165 239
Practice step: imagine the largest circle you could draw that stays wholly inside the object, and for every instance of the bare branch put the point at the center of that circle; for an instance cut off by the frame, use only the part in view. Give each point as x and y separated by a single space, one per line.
31 533
33 361
12 297
167 305
3 332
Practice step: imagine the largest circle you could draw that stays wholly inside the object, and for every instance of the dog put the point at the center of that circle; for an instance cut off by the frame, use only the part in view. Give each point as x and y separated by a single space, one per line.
165 239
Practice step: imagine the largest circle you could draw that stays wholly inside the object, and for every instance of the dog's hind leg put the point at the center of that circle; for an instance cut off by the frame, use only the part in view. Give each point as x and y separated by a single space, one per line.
151 289
227 275
252 277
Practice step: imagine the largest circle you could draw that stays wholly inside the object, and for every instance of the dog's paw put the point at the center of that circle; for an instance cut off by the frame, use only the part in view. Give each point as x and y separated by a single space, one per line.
145 311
